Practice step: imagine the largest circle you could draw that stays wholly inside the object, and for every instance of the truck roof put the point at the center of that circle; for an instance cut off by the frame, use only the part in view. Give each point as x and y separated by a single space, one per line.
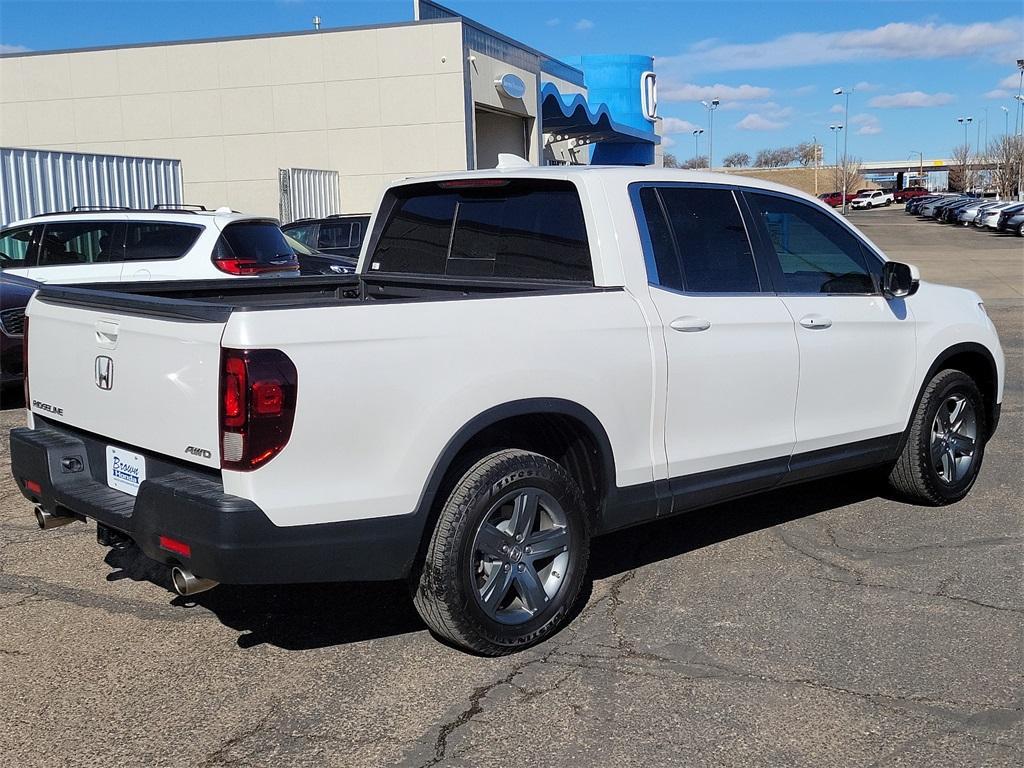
614 173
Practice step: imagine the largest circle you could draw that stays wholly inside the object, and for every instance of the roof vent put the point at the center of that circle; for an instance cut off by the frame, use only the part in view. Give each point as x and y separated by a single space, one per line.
508 161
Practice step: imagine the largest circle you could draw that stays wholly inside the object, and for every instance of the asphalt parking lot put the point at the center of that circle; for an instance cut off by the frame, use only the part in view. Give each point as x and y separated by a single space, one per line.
817 626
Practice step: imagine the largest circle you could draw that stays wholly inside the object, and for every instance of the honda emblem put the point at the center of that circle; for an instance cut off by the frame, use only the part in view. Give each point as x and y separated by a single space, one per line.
104 372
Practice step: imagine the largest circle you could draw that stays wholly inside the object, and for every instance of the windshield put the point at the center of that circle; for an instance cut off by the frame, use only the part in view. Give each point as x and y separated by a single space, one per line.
299 248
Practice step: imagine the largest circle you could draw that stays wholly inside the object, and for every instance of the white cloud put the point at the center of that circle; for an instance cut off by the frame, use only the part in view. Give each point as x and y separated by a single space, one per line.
1010 81
803 90
667 141
911 99
1006 89
694 92
756 122
998 40
837 109
552 22
869 124
583 25
676 125
5 48
998 93
865 87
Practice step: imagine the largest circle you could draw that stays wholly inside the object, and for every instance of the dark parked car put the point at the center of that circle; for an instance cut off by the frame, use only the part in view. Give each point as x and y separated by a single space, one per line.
340 235
1012 220
14 295
314 262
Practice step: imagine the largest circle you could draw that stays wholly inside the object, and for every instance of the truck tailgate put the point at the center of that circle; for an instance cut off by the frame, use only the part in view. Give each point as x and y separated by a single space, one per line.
149 383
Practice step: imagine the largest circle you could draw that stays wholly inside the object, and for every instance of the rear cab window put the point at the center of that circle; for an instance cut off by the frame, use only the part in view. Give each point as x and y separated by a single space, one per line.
530 229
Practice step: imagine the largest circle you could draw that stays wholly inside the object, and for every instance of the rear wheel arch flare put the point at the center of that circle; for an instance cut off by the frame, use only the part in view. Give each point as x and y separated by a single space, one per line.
558 425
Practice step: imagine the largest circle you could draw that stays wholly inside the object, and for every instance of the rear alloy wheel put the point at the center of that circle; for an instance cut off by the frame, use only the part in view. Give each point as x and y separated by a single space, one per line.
1020 229
945 442
507 559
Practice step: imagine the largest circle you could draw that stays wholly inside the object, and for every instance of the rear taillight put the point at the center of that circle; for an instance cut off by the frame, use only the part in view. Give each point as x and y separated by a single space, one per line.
249 267
24 362
257 406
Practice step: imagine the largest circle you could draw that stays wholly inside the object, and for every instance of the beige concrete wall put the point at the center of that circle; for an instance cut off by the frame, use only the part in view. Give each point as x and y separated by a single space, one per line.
799 178
373 104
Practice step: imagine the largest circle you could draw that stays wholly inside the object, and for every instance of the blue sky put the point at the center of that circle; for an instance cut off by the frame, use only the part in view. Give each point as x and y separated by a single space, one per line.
916 66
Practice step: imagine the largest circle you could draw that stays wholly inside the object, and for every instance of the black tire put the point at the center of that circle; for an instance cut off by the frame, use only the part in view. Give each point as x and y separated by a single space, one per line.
915 476
446 591
1020 230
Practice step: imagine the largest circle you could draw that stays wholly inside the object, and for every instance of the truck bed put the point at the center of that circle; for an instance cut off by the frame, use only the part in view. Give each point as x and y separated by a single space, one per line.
216 300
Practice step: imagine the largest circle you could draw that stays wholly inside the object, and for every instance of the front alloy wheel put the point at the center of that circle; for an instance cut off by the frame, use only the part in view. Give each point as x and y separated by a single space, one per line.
954 437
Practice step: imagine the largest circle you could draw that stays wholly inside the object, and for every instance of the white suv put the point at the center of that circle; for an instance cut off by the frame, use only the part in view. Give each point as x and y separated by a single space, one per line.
94 245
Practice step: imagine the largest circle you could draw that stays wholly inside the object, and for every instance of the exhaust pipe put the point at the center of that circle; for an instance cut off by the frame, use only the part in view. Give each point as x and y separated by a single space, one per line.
187 583
46 521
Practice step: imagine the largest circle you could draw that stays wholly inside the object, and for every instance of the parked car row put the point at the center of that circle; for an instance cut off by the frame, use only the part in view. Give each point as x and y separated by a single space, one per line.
95 245
983 213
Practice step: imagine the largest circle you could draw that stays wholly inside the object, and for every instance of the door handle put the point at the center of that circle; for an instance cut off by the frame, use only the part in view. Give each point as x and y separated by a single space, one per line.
815 322
690 324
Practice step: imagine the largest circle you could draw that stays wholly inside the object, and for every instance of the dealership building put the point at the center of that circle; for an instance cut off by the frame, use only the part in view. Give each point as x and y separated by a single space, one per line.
319 121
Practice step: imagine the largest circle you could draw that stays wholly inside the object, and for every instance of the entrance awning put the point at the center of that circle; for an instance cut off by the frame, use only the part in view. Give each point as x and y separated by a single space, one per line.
570 115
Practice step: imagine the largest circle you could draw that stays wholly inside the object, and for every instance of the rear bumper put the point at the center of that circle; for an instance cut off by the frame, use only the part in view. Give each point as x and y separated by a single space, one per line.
231 539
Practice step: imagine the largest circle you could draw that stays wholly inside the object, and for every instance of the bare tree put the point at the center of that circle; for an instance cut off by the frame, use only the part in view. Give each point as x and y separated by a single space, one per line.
806 153
775 158
670 161
849 176
696 162
962 178
736 160
1007 152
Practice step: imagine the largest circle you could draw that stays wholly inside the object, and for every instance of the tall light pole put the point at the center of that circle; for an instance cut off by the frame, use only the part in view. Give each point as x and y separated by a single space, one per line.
835 130
696 138
711 130
920 171
966 121
1006 121
846 121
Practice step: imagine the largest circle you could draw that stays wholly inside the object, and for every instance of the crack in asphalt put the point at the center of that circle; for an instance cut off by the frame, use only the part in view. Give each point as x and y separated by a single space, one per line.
220 755
861 579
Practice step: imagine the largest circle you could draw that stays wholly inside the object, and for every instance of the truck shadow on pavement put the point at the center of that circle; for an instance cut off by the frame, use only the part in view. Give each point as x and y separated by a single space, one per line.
308 616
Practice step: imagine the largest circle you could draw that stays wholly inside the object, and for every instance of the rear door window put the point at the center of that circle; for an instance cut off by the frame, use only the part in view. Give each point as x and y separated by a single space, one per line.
304 233
335 234
516 228
149 241
698 240
65 243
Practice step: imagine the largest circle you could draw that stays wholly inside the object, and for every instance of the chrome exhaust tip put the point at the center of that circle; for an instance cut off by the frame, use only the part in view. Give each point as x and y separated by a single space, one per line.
187 583
46 521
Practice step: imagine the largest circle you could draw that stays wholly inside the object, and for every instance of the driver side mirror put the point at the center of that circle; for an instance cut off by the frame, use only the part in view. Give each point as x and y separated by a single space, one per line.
899 280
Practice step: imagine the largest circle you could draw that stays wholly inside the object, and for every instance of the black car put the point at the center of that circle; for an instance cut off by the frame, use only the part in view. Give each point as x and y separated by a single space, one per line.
14 295
313 262
341 234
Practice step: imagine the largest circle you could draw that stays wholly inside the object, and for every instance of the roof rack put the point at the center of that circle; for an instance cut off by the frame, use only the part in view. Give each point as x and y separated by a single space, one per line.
87 208
178 207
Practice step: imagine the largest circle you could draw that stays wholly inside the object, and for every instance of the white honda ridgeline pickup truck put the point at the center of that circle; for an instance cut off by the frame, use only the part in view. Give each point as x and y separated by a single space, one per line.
526 358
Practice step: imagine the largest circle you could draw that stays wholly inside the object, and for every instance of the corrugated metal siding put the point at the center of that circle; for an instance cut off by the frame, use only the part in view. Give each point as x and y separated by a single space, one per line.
34 181
307 193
